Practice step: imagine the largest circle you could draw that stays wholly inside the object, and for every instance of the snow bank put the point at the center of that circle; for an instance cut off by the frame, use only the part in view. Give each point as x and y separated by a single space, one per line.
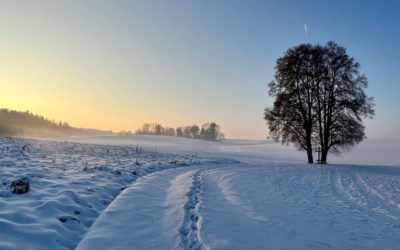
145 216
70 185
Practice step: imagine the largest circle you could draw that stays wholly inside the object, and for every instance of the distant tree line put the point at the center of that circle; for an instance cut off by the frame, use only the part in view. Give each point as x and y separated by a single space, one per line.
16 123
155 129
208 131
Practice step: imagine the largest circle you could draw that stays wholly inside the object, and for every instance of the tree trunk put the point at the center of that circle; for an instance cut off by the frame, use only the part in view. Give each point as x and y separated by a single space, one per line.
324 156
310 155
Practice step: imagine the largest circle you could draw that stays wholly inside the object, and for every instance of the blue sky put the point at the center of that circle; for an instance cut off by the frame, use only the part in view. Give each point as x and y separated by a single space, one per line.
122 63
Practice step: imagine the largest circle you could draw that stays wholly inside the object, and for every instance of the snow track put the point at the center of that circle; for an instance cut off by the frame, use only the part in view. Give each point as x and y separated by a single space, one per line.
161 211
146 215
190 230
71 184
355 192
379 203
242 206
172 201
316 207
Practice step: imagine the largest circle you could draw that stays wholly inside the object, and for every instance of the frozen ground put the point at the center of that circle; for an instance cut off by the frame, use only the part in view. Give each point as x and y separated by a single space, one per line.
195 198
369 152
70 185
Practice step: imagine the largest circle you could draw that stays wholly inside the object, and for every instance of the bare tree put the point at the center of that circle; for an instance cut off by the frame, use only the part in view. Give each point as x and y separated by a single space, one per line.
169 131
319 99
194 130
292 119
179 131
341 102
158 129
211 131
186 132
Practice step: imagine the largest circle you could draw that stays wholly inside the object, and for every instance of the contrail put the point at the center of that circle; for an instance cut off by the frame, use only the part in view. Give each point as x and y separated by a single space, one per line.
305 29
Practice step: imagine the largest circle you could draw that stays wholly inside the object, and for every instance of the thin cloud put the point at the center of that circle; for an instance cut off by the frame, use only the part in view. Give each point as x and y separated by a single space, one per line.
305 29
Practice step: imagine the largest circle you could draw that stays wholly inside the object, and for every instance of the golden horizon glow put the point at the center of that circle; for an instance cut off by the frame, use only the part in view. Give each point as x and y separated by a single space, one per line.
116 65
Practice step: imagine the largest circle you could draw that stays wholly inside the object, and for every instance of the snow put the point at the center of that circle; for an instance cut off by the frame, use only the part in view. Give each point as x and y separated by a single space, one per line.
369 152
256 207
193 194
302 207
155 216
68 181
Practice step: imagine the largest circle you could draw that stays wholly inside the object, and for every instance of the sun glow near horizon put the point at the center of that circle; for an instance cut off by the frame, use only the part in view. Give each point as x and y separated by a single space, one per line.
115 66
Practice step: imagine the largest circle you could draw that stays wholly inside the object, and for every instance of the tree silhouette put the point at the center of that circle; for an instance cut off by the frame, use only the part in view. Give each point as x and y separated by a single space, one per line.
208 131
319 100
16 123
194 130
291 119
179 131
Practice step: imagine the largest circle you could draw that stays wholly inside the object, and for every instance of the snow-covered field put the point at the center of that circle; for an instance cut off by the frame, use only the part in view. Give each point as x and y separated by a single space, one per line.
181 194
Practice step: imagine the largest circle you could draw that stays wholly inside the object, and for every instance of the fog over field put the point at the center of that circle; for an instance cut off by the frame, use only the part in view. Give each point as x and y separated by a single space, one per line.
369 152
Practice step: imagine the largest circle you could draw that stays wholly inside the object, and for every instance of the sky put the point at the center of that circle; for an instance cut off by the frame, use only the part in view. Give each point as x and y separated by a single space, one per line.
114 65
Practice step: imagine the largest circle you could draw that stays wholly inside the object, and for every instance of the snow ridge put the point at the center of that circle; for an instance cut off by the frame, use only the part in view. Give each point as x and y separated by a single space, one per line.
190 229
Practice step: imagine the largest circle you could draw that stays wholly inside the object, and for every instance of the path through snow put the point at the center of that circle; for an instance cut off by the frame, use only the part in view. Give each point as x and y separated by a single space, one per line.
159 211
255 207
174 201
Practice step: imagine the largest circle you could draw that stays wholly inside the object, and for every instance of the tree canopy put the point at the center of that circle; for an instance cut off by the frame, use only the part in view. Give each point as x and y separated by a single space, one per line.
320 100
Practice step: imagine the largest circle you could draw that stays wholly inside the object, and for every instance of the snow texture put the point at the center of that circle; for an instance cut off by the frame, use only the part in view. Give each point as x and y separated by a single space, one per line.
207 195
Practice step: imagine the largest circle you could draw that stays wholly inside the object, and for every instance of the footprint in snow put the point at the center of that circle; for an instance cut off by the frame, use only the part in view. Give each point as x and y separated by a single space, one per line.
68 218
